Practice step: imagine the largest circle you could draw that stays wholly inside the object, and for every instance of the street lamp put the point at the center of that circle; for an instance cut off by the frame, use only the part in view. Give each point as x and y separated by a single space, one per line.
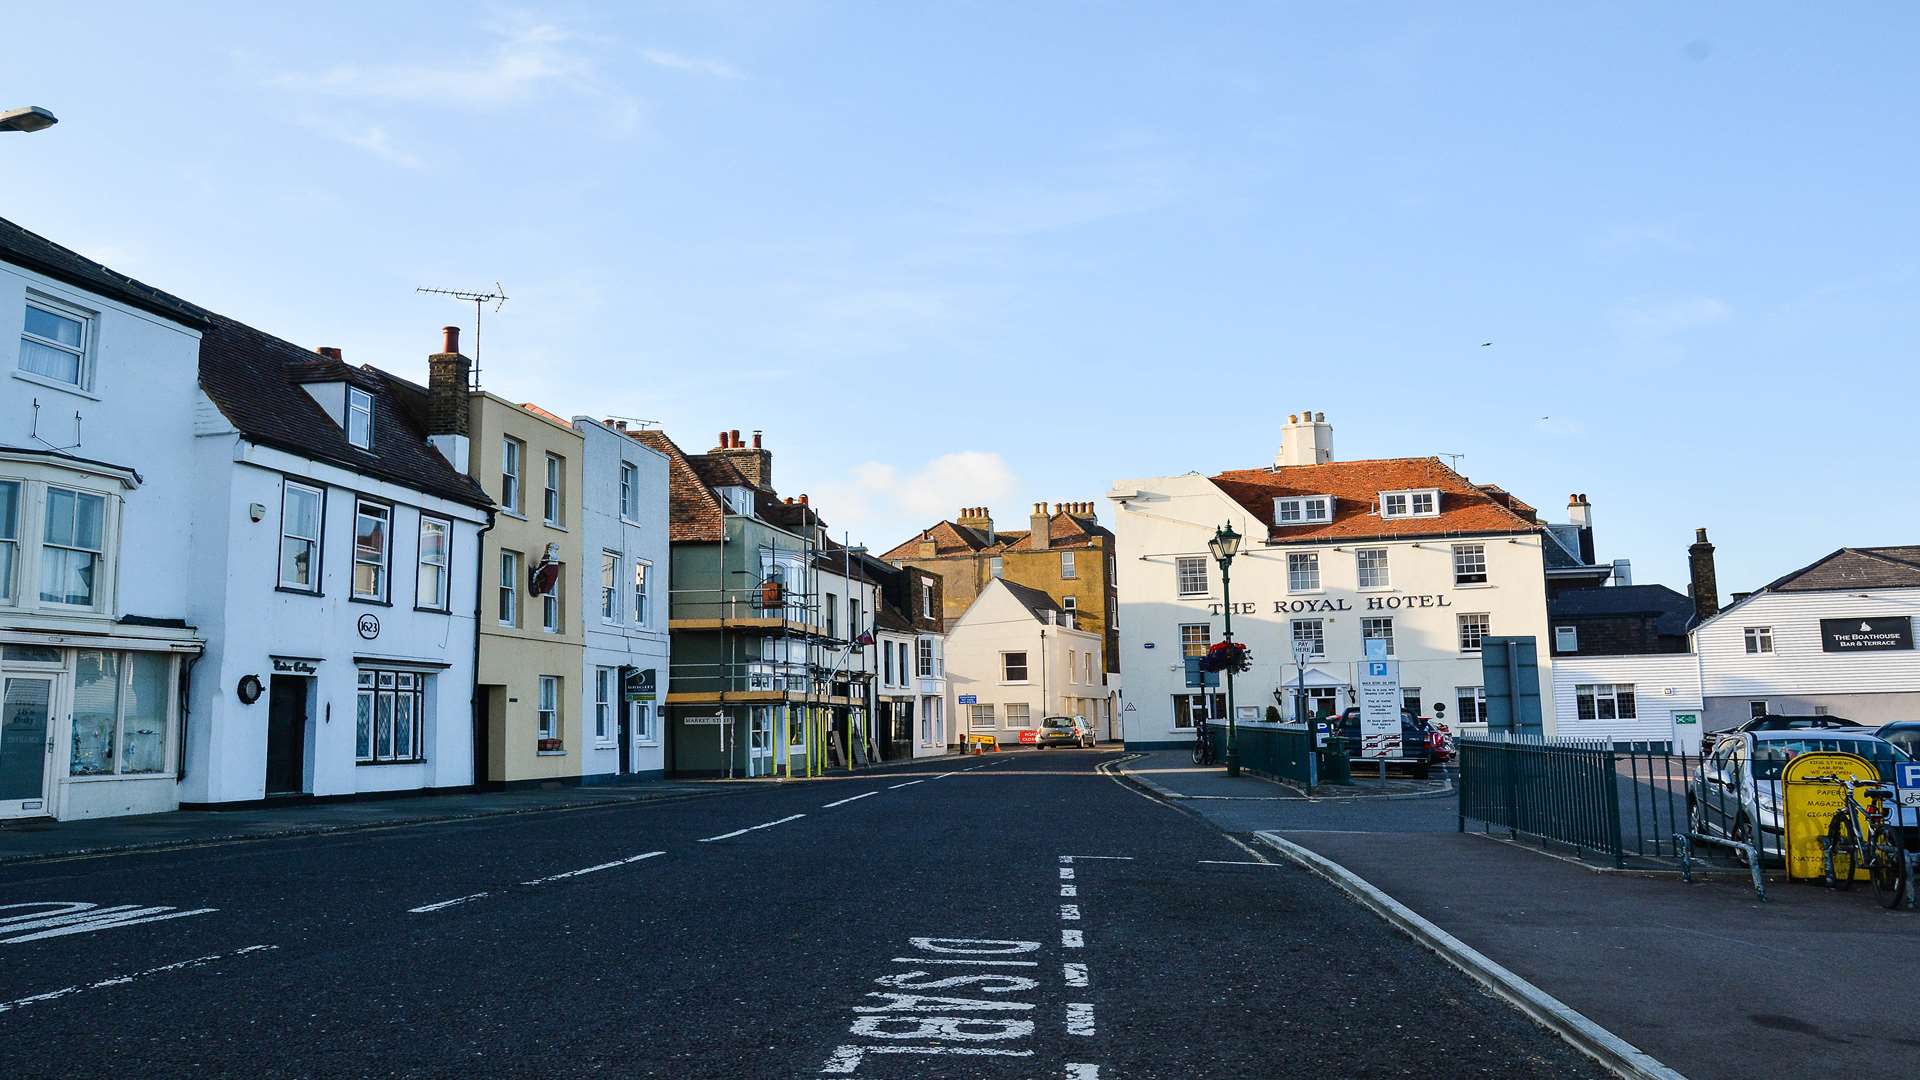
1225 545
27 118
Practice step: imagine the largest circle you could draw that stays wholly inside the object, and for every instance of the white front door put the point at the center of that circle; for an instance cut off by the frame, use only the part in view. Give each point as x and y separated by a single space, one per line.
760 742
26 744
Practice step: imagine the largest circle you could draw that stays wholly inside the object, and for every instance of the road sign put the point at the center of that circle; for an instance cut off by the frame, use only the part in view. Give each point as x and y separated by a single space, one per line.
1130 708
715 719
1906 778
1379 687
969 699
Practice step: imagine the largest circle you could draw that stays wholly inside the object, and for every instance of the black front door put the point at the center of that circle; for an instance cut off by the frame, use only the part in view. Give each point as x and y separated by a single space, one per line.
624 725
286 736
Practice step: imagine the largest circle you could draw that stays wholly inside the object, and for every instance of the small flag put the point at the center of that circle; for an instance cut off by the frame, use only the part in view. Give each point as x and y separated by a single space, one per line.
865 638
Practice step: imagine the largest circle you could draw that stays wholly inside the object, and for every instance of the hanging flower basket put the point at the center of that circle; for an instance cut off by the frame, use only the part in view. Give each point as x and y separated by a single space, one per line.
1227 656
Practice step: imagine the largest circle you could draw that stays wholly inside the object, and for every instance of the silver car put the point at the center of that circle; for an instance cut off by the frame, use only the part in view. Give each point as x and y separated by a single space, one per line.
1738 783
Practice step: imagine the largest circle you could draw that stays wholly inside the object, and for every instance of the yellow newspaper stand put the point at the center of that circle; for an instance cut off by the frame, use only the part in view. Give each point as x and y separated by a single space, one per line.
1810 806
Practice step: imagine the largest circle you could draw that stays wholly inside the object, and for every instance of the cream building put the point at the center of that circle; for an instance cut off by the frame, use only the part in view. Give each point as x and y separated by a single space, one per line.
1012 659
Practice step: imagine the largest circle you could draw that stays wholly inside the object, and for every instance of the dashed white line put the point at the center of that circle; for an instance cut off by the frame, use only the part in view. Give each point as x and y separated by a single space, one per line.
910 783
751 828
424 908
1079 1018
1070 912
845 801
121 980
1110 858
592 869
1077 1071
1069 890
1234 862
1075 974
1072 939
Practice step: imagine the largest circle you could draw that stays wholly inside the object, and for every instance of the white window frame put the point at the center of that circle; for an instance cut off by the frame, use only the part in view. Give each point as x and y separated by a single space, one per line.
513 471
1383 572
83 367
1006 668
1589 699
385 564
1070 607
547 717
1067 570
101 573
552 617
1466 557
1474 626
1478 695
375 685
606 697
1758 639
997 566
1190 576
508 588
926 599
1018 720
315 543
553 495
1316 632
923 657
1410 503
11 545
980 717
611 563
29 548
1758 707
360 404
640 716
1303 572
1376 623
117 750
1566 639
1195 639
629 491
1302 510
642 592
444 566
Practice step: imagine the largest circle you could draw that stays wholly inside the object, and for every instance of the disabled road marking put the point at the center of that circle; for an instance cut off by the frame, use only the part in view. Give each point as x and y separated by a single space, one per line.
592 869
751 828
58 918
850 798
122 980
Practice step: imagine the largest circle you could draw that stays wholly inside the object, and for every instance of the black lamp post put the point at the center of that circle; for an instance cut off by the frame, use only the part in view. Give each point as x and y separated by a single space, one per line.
1225 545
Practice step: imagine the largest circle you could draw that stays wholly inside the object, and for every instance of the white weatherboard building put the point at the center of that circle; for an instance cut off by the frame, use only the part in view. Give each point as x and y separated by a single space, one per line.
96 405
1013 660
624 513
335 571
1334 553
1832 637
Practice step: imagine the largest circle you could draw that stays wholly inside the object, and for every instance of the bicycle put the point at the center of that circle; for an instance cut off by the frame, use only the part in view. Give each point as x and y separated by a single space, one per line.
1872 847
1202 744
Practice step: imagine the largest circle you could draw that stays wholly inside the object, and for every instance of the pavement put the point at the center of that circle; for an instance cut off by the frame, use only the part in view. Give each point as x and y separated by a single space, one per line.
1019 915
1704 977
1172 774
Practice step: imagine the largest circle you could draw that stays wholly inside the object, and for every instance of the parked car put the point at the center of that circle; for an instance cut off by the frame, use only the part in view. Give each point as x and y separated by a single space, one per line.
1066 731
1904 734
1815 721
1417 742
1737 784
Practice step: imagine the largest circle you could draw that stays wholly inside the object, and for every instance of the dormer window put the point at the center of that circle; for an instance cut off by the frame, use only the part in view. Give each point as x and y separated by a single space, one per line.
1400 504
359 418
1303 510
739 500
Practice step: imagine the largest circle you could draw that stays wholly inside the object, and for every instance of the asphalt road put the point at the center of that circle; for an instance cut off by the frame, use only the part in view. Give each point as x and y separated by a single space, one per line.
1019 916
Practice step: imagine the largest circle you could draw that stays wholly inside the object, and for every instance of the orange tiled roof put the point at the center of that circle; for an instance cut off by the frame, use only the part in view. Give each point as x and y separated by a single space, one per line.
1064 531
540 412
695 512
1356 486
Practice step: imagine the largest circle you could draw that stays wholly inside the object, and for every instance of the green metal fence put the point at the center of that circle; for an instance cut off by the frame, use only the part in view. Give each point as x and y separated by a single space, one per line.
1546 789
1272 751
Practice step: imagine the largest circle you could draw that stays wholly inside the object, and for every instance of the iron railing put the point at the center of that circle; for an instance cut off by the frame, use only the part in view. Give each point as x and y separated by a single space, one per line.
1283 751
1559 790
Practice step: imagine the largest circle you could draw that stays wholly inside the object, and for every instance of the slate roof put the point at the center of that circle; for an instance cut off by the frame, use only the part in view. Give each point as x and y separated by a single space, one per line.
1671 610
1465 508
37 253
247 373
1856 568
1034 600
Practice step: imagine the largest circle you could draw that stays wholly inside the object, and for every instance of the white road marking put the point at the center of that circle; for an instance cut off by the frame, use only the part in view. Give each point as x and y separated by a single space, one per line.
910 783
751 828
1232 862
984 963
1072 939
1111 858
121 980
1070 912
83 918
1069 890
593 869
1066 873
855 798
846 1059
1075 974
1076 1071
1079 1018
424 908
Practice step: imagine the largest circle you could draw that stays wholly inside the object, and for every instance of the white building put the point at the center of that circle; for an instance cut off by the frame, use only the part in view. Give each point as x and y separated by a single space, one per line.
1832 637
624 514
335 574
911 712
96 407
1013 660
1403 549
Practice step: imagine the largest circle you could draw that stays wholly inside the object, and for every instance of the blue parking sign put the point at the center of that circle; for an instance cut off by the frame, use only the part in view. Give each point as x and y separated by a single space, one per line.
1377 668
1906 778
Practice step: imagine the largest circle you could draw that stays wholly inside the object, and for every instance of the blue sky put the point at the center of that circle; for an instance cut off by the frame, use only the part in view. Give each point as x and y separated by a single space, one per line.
964 253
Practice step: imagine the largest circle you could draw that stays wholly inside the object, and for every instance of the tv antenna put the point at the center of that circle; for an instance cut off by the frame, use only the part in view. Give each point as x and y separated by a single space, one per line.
1453 460
499 299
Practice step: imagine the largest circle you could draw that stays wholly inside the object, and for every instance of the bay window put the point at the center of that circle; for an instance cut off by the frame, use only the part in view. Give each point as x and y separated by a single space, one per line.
57 538
9 537
72 547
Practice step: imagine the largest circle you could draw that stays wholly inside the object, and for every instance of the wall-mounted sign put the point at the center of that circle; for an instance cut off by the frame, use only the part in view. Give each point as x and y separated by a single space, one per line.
1146 644
1866 635
716 720
369 626
249 689
1391 602
294 665
969 699
641 684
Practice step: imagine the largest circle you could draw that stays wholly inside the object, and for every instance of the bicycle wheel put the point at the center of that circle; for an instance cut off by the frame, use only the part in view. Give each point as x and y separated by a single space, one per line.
1847 855
1889 870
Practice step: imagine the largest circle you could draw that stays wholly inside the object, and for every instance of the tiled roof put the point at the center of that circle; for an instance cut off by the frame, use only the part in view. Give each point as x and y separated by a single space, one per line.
245 372
1063 531
1465 509
696 514
950 538
544 414
37 253
1857 568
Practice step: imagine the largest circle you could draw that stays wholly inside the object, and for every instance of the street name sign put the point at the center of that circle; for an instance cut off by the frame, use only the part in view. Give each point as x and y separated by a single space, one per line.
716 719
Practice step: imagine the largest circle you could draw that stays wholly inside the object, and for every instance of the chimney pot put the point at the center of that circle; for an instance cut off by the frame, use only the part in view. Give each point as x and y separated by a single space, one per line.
803 498
734 435
449 339
1699 536
756 440
331 352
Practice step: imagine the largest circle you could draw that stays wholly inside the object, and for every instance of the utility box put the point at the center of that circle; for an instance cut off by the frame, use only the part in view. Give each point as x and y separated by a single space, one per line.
1510 670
